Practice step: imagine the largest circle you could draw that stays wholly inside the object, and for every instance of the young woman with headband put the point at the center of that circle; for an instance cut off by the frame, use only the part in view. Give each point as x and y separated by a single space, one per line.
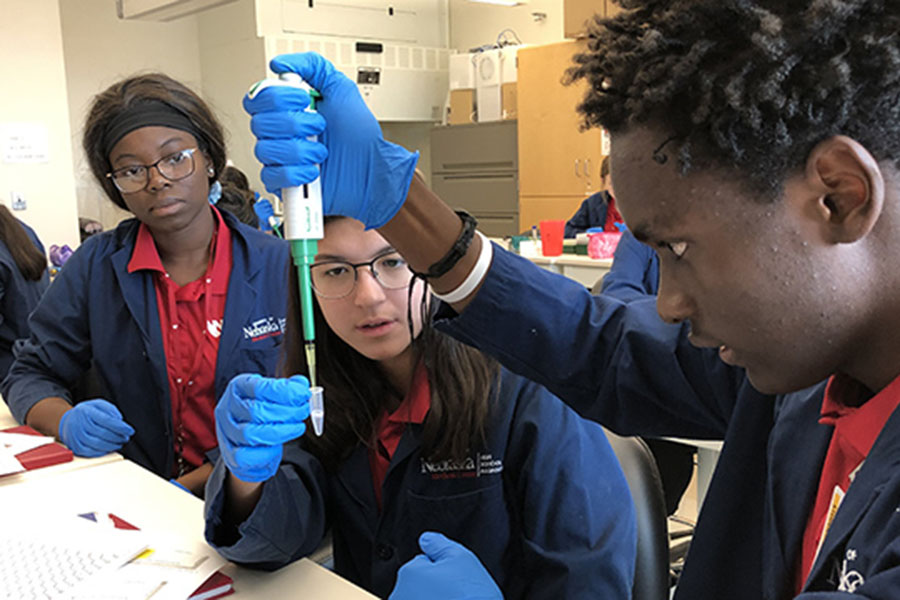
163 310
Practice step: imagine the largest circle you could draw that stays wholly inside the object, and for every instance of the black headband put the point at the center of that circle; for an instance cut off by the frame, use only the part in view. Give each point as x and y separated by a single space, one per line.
146 113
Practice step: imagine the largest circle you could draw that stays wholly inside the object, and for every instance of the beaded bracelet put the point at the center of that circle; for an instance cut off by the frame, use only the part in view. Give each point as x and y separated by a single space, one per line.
456 252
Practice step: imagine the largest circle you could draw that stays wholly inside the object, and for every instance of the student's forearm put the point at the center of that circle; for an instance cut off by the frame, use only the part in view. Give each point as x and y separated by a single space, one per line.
423 231
241 498
195 480
44 416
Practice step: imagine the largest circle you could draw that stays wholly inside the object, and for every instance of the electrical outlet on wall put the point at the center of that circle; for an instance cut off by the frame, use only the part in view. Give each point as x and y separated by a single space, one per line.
17 200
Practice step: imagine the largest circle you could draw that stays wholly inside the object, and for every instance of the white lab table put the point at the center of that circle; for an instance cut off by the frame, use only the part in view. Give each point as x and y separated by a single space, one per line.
7 421
6 418
584 269
155 505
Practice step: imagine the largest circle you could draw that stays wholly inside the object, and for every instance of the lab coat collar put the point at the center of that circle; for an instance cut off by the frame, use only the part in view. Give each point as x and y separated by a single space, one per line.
795 465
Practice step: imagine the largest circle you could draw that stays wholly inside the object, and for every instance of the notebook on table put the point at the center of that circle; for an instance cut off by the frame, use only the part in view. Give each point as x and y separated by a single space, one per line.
43 564
42 456
218 585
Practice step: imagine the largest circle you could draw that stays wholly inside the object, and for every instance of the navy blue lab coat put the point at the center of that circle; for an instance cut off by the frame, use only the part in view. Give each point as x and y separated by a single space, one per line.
621 365
635 271
97 313
591 213
18 297
545 498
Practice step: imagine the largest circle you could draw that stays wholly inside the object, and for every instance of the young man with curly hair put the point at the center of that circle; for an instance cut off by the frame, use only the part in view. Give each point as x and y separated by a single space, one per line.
755 146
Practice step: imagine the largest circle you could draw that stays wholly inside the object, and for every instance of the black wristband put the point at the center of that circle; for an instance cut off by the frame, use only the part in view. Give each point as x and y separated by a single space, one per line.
456 252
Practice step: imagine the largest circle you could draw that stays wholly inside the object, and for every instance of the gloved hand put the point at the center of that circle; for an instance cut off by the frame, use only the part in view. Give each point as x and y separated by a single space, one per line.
254 417
264 212
447 571
363 176
94 428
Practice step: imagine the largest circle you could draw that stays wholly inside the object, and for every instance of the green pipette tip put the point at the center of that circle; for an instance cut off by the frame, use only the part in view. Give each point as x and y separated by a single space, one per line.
304 253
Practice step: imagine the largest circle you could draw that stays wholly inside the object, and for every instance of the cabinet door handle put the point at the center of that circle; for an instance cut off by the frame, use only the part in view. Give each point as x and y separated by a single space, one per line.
576 168
587 167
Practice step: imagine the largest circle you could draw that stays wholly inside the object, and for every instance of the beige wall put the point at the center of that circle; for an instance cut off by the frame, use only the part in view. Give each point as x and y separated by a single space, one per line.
34 91
473 24
99 50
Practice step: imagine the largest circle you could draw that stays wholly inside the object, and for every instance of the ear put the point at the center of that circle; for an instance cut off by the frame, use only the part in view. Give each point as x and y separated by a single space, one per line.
208 164
848 188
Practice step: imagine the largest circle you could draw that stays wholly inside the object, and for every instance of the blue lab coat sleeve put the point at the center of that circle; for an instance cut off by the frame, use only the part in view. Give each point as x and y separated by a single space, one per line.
634 274
578 523
18 297
288 522
615 363
59 349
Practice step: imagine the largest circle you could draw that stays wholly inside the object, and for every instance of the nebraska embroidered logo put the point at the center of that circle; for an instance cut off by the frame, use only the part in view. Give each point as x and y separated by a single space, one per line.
214 327
848 579
469 467
261 329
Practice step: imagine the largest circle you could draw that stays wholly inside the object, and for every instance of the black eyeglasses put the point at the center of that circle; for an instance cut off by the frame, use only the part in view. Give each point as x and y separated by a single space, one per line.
174 167
337 278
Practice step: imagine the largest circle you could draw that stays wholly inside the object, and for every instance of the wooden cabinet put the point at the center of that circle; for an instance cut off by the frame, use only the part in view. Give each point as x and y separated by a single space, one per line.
559 165
576 14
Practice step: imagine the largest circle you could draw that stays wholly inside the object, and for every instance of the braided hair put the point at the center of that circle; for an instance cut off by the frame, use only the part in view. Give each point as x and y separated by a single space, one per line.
747 84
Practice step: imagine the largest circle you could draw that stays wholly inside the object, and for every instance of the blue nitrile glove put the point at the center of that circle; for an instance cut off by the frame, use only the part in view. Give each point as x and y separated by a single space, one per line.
364 176
178 485
94 428
264 210
254 417
446 571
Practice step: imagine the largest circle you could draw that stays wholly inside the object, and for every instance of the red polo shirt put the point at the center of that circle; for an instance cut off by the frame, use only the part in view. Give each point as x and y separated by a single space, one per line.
191 320
613 216
390 427
855 432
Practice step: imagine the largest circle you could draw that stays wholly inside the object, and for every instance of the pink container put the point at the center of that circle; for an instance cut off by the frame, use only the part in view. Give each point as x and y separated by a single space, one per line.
603 245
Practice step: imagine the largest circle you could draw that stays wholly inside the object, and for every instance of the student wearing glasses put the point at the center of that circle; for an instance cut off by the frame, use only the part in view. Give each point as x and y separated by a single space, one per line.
163 310
422 434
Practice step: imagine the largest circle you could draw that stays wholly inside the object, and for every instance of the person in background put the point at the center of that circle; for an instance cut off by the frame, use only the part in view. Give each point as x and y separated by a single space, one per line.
262 208
23 280
755 147
421 434
239 203
597 210
163 310
88 227
234 176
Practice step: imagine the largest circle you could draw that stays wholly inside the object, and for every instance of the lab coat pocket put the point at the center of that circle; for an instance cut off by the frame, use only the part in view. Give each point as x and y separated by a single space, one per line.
261 356
478 519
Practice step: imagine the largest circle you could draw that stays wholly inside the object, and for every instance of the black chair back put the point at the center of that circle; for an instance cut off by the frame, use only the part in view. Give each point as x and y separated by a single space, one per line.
651 572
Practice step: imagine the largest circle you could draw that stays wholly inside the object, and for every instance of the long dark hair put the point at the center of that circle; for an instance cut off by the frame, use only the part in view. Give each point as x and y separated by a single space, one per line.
461 379
31 262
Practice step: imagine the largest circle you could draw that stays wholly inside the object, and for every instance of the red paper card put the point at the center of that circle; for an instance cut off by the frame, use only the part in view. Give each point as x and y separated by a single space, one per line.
44 456
218 585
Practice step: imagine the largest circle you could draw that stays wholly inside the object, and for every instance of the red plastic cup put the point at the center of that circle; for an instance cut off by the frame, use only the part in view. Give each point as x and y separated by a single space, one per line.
552 237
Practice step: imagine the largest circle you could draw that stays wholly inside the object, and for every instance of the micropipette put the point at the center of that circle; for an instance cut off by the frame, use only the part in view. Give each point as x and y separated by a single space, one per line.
303 225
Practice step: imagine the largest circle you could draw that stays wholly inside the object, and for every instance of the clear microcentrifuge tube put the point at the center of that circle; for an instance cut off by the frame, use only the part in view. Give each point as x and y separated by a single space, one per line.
317 409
